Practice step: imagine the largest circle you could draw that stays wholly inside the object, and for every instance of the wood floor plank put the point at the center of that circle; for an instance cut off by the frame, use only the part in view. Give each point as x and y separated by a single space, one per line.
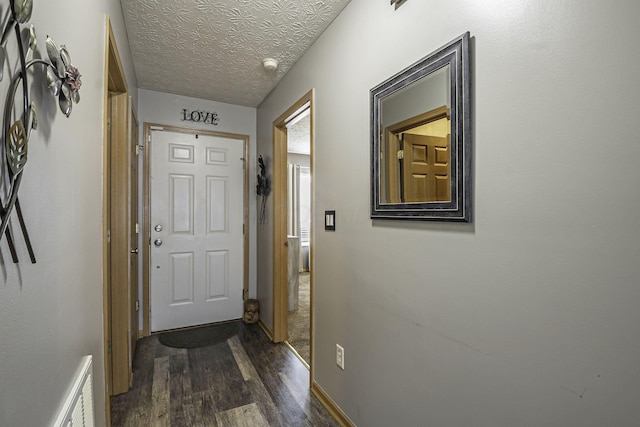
179 387
199 387
263 399
195 412
316 413
300 397
270 368
209 409
160 413
240 355
190 404
214 371
243 416
260 394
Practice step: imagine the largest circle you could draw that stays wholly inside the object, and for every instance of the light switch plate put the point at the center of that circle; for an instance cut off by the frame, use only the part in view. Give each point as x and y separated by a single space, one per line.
340 356
330 220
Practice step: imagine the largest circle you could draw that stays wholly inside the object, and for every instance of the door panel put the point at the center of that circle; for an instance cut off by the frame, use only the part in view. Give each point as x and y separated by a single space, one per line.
182 203
217 205
217 275
181 282
426 168
197 254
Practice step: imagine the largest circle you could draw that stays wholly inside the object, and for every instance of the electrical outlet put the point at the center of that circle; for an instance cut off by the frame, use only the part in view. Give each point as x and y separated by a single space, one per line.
340 356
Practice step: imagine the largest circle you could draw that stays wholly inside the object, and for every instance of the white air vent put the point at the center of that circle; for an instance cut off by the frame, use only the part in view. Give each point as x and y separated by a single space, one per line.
77 410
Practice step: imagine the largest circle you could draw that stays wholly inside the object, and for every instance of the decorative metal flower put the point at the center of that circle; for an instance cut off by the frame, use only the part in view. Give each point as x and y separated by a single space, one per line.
22 10
63 78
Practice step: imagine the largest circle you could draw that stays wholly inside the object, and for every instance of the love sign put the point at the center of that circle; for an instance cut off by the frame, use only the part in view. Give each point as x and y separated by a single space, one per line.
200 116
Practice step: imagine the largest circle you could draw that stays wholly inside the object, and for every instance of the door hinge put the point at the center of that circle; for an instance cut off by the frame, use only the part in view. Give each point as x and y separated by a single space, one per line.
108 124
108 236
109 347
137 228
137 150
137 305
400 154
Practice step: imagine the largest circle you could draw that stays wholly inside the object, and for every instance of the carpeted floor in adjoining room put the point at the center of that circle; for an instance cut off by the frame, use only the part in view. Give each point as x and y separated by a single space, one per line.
299 321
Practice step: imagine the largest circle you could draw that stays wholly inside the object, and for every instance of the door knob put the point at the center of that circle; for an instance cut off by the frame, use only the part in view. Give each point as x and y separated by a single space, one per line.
158 228
157 242
134 251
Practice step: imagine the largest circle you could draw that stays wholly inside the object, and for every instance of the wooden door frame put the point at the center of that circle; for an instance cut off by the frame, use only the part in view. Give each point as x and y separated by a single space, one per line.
280 250
120 241
116 240
146 210
134 232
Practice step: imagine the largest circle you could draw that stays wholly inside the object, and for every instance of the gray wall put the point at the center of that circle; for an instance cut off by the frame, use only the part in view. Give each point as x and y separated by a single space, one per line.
529 316
51 312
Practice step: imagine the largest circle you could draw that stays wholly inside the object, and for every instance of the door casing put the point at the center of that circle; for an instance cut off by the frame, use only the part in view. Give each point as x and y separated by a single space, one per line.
119 331
146 188
134 230
280 271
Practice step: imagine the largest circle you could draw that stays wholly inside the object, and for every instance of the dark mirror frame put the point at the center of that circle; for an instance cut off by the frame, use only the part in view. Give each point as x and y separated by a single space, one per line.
459 208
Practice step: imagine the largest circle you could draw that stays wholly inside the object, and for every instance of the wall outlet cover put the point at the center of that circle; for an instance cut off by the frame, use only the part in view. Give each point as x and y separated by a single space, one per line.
340 356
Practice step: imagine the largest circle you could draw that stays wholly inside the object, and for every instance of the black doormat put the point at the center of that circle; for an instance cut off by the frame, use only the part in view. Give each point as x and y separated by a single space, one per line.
204 336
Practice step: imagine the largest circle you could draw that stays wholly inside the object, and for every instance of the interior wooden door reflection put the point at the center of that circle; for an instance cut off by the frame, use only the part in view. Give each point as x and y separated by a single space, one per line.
426 171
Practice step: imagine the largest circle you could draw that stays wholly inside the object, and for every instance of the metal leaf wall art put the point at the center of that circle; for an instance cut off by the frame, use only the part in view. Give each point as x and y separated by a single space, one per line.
263 188
63 81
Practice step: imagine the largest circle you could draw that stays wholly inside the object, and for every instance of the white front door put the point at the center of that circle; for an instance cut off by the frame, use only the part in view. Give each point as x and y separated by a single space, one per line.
197 244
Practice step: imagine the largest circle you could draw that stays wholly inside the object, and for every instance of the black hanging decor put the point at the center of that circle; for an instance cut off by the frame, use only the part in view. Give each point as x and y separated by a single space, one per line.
263 188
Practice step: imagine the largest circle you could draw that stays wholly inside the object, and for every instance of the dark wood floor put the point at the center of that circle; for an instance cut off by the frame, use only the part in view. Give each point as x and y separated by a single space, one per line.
243 381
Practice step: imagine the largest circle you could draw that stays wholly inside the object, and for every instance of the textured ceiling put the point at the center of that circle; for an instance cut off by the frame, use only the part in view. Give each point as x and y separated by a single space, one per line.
214 49
299 136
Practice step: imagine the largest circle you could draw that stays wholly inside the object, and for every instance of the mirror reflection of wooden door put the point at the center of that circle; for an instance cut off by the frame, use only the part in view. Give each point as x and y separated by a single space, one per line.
426 175
415 161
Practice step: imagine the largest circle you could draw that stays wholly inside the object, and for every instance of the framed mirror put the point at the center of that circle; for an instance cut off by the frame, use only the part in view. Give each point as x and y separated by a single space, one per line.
421 143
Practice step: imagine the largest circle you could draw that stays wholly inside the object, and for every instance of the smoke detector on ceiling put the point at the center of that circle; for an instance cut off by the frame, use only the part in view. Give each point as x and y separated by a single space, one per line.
269 64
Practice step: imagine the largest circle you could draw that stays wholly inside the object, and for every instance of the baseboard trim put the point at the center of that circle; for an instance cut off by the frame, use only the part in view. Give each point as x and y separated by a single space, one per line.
331 406
294 351
266 330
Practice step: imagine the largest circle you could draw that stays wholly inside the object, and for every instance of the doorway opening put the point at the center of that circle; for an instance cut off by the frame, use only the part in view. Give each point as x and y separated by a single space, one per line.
196 228
120 243
299 233
293 228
